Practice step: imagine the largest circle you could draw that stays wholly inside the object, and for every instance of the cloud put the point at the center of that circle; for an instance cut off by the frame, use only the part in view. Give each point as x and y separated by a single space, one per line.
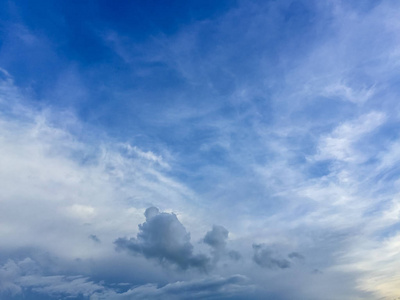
295 255
340 144
26 279
25 276
268 107
266 258
234 255
164 238
216 238
214 287
94 238
71 180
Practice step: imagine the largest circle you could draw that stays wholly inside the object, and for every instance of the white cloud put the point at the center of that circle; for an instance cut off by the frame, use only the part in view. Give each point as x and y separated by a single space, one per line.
84 212
340 144
54 182
346 92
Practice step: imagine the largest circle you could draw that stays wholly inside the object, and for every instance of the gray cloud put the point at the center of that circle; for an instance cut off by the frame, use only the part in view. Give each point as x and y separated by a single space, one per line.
216 238
164 238
295 255
233 287
25 278
234 255
94 238
267 259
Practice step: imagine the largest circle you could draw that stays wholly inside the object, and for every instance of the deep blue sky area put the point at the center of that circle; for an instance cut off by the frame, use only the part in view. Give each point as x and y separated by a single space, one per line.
199 149
73 30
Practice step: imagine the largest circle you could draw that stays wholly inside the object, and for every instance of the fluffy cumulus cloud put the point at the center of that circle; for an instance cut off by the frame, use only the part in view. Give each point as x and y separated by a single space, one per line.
164 238
217 240
217 237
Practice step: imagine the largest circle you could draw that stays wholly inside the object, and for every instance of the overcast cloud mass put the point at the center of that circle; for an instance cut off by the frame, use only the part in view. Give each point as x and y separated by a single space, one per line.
200 149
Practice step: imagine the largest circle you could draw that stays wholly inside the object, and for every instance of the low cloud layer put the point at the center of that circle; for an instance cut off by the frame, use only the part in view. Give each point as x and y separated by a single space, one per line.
25 279
215 287
163 238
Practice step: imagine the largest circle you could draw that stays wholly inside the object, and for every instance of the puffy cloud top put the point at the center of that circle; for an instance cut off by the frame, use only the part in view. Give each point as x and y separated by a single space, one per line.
217 237
164 238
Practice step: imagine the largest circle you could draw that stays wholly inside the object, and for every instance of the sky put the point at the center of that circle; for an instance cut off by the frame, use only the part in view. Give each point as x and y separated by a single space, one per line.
231 149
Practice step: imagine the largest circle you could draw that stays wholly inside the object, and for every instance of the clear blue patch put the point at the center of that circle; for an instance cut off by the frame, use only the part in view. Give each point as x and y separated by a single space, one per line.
319 169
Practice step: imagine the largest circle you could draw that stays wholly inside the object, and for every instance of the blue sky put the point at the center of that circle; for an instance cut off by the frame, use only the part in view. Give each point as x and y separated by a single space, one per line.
199 149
